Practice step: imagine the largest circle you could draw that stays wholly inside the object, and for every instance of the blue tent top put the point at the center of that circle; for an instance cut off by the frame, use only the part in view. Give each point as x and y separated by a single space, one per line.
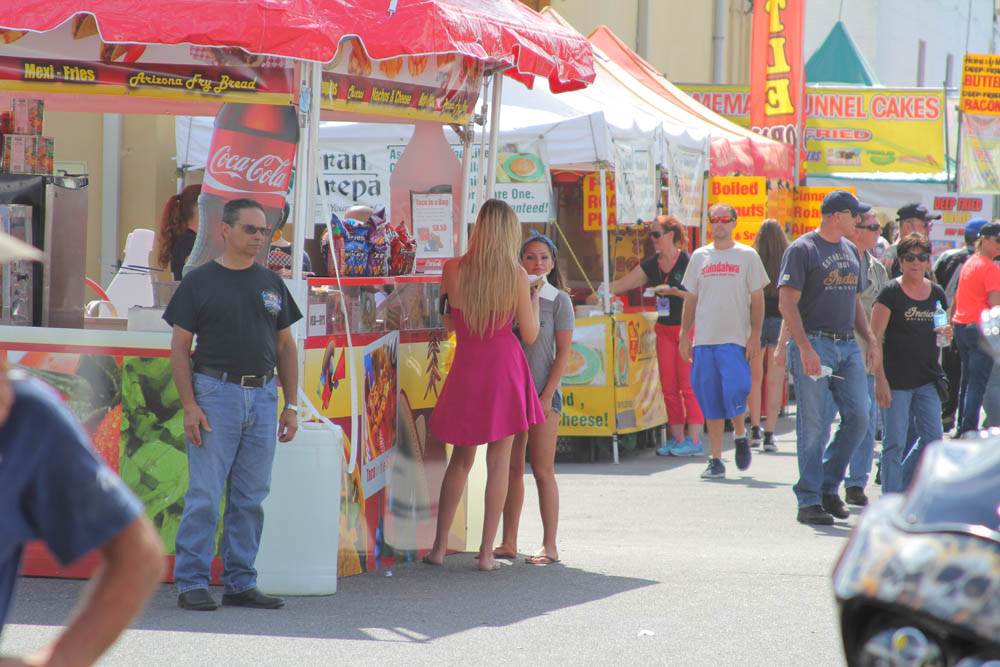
838 60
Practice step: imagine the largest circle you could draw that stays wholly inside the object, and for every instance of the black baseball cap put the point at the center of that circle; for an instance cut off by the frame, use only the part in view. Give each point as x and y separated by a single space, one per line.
990 229
916 211
842 200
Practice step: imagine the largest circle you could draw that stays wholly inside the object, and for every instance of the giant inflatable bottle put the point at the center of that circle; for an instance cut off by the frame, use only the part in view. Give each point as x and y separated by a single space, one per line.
251 156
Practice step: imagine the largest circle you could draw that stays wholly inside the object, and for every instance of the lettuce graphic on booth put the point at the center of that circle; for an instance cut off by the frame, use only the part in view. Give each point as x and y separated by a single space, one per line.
154 449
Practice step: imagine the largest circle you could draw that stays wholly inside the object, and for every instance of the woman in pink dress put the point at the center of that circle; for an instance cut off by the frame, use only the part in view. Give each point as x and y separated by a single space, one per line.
489 395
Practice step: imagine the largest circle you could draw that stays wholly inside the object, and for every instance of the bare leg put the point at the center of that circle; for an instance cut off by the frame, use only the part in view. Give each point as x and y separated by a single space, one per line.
756 377
497 474
676 432
452 486
694 431
543 457
775 389
716 427
739 426
515 498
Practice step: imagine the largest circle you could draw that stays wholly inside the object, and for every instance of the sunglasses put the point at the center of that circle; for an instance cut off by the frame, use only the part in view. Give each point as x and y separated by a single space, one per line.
656 235
724 221
910 257
873 227
253 229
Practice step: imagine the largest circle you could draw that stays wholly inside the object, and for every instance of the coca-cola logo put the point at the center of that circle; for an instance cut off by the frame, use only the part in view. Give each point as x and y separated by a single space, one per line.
268 170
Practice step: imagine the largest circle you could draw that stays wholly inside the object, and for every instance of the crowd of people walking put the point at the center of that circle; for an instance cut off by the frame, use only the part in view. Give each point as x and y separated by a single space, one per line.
862 327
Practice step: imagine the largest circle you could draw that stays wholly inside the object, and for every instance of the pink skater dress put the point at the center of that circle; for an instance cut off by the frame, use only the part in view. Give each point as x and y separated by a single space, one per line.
489 393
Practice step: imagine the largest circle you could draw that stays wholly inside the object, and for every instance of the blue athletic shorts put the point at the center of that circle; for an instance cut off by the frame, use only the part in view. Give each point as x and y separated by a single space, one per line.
720 377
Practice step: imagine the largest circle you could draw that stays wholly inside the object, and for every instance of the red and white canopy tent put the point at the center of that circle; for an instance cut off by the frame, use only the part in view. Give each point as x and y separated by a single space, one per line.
734 148
143 54
501 33
172 57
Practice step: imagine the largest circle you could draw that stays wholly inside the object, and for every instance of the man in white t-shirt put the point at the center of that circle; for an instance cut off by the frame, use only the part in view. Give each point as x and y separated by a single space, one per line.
725 282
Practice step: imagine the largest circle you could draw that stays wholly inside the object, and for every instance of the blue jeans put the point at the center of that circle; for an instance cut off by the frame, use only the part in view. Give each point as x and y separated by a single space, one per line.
861 461
236 455
822 468
991 398
976 368
922 407
770 330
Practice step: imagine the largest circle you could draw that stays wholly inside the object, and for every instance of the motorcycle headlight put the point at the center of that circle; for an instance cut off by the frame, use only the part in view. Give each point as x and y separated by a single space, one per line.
896 647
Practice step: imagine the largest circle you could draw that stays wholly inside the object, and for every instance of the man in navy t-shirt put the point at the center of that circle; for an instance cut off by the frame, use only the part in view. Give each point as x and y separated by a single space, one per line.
819 297
54 488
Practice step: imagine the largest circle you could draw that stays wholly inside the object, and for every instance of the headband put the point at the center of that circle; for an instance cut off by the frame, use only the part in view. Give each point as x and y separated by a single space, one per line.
539 238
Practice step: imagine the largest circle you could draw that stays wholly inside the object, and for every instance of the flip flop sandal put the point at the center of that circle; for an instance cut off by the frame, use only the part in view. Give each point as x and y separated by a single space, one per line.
540 559
426 560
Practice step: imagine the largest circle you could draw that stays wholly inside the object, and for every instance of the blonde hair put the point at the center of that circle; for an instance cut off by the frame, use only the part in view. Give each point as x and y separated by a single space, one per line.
490 268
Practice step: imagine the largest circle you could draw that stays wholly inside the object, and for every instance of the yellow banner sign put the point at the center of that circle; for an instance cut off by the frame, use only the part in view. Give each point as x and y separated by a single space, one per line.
592 201
981 84
856 130
806 212
748 195
638 396
588 390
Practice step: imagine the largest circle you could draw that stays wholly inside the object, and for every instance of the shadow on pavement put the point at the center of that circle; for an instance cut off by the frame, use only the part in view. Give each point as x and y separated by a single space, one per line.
746 479
418 603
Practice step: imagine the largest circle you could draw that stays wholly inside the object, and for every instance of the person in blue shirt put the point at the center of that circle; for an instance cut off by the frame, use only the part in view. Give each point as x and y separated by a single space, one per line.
54 488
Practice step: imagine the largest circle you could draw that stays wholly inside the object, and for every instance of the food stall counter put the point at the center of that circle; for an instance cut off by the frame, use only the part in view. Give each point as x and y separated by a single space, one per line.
612 382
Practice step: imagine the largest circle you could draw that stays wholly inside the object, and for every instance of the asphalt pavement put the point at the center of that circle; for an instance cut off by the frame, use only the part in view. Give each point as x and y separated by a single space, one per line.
658 567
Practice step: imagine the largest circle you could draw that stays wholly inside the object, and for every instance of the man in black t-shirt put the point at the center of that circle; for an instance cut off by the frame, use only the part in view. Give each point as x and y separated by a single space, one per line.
241 313
946 272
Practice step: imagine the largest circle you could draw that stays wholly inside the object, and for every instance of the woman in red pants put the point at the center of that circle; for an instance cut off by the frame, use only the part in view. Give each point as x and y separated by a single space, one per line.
663 271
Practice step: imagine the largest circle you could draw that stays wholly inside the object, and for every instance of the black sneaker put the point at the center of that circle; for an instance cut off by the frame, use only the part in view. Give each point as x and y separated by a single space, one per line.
743 454
835 506
855 495
755 437
769 444
815 515
716 469
252 598
197 599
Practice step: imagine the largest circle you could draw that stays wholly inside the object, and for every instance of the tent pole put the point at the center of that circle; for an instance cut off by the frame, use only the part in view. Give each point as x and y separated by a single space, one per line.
606 297
491 164
958 152
605 270
481 158
466 135
300 196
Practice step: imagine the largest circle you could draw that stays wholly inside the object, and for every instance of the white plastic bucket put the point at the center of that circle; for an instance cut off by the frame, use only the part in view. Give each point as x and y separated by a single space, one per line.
299 542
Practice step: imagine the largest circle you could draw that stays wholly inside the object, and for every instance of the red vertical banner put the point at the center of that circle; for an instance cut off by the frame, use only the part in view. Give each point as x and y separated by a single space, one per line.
776 69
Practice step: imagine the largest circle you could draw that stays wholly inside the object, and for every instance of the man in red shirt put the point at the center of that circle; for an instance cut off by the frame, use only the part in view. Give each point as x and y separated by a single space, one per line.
978 289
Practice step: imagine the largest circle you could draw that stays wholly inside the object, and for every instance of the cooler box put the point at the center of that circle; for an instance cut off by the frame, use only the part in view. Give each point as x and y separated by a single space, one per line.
299 542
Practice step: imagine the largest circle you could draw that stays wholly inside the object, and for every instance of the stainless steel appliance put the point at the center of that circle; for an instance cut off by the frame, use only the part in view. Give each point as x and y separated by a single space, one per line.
59 229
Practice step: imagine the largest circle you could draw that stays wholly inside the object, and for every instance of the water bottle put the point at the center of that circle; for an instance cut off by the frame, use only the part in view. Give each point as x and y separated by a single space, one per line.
940 320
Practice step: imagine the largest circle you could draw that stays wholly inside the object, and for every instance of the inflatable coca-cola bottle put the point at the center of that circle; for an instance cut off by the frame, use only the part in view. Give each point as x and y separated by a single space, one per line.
252 152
